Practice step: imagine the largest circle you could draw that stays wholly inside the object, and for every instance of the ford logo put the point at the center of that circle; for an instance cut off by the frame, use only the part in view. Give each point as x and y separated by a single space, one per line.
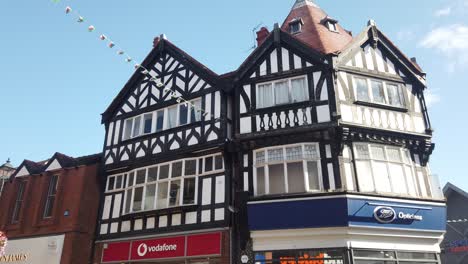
385 215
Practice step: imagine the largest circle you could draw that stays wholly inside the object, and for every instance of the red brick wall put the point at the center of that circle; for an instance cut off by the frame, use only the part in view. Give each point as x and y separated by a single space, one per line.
77 192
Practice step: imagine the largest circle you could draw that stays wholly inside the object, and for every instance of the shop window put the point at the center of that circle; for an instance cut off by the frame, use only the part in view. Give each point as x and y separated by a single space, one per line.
386 169
167 185
334 256
393 257
288 169
18 201
282 92
379 92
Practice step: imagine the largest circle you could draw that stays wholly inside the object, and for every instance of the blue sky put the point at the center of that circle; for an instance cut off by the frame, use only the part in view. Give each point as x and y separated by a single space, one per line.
56 78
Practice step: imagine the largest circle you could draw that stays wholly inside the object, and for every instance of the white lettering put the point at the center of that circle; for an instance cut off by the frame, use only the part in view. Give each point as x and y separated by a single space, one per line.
404 216
143 248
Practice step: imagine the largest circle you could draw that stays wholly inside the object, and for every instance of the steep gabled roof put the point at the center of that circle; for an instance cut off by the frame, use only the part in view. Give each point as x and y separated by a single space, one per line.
375 37
449 188
314 31
161 44
276 36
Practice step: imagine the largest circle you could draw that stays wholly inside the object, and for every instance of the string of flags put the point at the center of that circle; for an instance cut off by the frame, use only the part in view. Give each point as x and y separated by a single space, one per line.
143 70
458 221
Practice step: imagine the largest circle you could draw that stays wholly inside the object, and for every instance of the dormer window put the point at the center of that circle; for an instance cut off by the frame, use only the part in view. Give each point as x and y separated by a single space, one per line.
295 26
331 24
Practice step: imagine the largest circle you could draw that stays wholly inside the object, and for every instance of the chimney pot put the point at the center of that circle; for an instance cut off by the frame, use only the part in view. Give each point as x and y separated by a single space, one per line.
262 35
414 60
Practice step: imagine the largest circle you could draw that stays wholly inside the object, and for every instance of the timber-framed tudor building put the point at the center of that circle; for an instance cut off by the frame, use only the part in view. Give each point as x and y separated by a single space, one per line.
315 150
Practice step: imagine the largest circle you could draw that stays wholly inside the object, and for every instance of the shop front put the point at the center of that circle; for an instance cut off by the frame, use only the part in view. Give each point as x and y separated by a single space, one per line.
345 229
204 248
38 250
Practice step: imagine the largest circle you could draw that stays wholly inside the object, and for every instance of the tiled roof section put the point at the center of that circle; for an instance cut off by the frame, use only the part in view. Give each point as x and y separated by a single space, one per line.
64 160
314 32
34 167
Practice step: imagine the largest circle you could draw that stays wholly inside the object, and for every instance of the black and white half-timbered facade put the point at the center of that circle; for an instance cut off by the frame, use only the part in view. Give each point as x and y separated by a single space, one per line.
167 173
315 150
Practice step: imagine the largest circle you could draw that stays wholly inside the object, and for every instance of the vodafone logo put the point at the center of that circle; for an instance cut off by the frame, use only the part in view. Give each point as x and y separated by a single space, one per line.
143 249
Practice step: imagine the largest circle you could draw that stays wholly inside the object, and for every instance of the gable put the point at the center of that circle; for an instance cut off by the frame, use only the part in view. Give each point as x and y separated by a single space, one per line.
176 74
22 172
54 165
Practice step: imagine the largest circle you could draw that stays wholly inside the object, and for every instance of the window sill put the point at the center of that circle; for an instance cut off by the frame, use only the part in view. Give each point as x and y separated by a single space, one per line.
171 210
382 106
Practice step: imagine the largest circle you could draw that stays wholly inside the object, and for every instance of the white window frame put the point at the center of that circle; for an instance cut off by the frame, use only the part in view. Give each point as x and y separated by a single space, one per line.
403 152
289 81
114 186
386 96
285 162
169 179
154 122
299 27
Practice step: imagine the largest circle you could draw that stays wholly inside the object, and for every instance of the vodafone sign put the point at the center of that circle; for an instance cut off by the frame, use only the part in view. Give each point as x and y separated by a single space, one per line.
158 248
164 248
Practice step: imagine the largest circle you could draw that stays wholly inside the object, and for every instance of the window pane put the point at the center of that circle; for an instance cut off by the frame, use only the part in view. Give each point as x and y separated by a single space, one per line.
378 152
164 172
374 254
375 262
296 177
136 126
275 154
394 155
276 177
299 91
397 176
406 157
422 185
378 92
417 255
362 90
131 179
190 167
152 174
264 96
382 182
410 181
119 182
141 175
137 199
49 206
313 175
311 152
160 120
261 181
148 123
149 196
172 116
176 169
362 151
174 194
128 128
195 115
189 191
110 184
208 164
218 162
260 157
364 174
161 202
183 114
395 96
128 200
294 153
281 93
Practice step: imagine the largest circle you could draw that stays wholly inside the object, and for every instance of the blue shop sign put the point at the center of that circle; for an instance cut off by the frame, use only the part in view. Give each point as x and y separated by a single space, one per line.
345 211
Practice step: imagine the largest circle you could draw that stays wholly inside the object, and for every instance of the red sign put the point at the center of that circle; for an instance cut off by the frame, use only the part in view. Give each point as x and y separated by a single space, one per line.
116 252
164 248
204 245
158 248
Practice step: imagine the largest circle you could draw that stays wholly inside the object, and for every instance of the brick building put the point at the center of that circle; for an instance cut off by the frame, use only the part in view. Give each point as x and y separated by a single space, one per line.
49 210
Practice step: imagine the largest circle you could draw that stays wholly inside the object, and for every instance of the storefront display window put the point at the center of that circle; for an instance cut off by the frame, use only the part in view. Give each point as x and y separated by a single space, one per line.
325 256
393 257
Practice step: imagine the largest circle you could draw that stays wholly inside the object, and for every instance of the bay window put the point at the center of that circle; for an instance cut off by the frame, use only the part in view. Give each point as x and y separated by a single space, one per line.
379 92
388 169
288 169
166 185
171 117
282 92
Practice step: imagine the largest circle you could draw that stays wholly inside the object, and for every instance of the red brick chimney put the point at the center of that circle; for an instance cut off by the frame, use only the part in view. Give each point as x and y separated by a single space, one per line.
262 35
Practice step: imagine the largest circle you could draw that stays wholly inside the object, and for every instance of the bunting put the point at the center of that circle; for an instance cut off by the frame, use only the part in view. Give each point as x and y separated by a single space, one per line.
138 67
